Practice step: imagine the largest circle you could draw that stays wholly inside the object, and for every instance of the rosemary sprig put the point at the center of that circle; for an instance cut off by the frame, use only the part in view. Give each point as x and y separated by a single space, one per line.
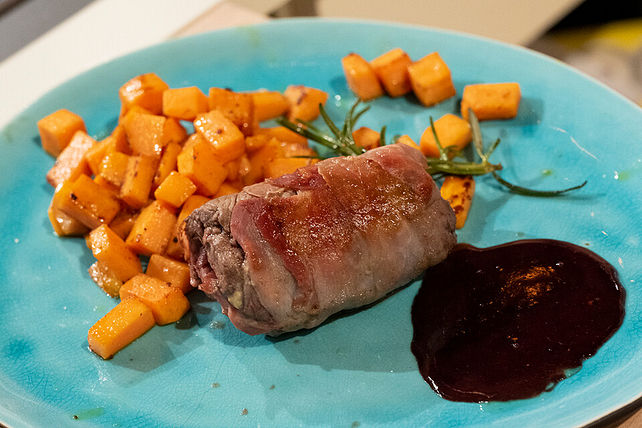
525 191
342 143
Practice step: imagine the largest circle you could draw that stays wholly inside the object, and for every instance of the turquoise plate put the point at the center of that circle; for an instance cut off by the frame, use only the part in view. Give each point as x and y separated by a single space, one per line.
356 370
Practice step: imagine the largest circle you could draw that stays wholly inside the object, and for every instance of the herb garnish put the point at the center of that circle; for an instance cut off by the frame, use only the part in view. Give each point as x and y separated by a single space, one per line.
341 143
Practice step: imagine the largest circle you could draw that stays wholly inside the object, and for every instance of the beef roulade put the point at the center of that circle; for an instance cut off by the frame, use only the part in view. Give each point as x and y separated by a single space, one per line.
287 253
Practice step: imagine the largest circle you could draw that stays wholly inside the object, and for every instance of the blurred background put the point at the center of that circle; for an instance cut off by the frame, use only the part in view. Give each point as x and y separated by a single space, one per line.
600 37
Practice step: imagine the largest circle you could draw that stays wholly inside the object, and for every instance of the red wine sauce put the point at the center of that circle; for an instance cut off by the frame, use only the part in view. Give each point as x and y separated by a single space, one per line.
509 322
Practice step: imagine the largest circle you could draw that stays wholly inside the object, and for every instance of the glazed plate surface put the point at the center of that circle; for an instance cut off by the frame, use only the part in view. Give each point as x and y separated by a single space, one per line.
356 370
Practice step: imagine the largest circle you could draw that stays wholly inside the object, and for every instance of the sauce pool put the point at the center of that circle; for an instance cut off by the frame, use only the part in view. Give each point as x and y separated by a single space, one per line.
509 322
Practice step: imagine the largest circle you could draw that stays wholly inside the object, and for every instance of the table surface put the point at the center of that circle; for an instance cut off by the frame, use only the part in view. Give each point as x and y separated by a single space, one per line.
174 19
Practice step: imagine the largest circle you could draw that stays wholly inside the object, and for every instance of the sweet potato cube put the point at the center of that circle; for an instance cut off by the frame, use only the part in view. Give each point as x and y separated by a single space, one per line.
255 142
233 169
392 70
110 187
113 167
57 129
361 77
227 189
366 138
304 102
224 136
282 134
94 156
173 132
126 322
119 140
138 180
491 101
109 249
260 159
168 304
123 222
71 162
152 229
459 191
145 133
175 189
193 202
281 166
405 139
63 224
89 203
452 131
289 150
431 80
184 103
167 163
145 91
105 278
198 162
175 249
174 272
237 107
269 104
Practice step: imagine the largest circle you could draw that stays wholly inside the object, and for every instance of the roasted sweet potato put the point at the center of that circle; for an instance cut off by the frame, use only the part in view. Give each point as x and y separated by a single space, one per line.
105 278
269 104
184 103
459 191
175 189
126 322
123 222
145 133
173 132
235 106
109 249
89 203
281 166
152 229
62 223
361 77
190 205
491 101
282 134
167 163
451 130
171 271
366 138
71 162
392 70
199 163
168 304
137 183
113 167
431 80
304 101
57 129
145 91
405 139
225 137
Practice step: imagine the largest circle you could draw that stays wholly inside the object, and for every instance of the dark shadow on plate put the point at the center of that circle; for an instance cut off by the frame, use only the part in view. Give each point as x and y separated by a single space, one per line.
373 338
